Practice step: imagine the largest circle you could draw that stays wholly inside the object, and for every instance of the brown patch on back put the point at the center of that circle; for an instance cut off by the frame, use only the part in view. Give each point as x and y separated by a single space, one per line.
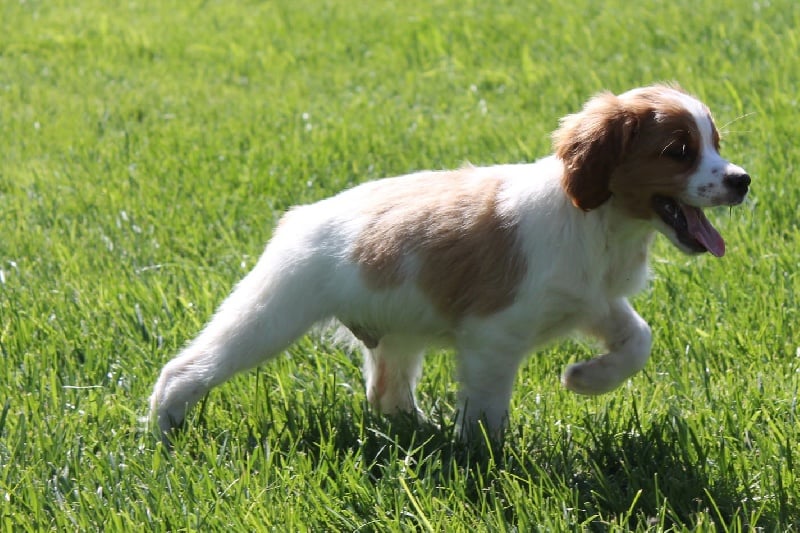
445 228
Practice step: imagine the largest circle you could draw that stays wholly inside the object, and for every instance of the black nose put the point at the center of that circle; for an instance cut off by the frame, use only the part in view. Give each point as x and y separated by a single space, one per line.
738 182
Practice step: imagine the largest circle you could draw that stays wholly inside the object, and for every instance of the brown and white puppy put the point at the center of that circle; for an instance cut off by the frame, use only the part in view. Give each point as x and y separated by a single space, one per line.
494 261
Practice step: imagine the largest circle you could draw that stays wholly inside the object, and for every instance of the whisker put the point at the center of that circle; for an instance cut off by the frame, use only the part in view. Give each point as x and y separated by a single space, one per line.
734 132
740 117
667 146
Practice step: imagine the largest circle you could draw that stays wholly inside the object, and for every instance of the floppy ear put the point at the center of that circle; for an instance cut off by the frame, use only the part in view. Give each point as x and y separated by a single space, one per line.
591 144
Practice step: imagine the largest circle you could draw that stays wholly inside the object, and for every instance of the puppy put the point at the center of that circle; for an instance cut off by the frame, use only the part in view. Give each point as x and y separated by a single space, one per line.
493 261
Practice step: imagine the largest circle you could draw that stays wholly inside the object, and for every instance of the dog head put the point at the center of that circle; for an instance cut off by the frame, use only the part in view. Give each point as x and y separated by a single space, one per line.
655 150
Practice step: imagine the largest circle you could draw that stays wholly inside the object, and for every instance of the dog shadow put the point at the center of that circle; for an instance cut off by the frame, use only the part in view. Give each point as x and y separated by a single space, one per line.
654 476
620 472
329 431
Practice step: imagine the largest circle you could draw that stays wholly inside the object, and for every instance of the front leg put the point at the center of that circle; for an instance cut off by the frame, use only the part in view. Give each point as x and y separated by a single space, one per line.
488 359
628 339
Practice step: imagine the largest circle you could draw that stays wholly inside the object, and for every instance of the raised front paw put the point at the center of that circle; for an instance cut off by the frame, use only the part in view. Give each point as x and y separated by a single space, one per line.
592 377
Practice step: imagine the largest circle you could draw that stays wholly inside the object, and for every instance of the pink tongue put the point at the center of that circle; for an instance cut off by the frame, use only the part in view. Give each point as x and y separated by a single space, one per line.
702 230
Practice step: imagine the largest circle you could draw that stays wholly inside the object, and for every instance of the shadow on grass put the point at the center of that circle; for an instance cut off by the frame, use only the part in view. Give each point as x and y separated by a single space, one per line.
334 429
658 475
621 473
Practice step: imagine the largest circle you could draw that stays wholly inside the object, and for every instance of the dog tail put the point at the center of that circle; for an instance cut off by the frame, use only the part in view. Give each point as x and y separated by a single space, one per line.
279 300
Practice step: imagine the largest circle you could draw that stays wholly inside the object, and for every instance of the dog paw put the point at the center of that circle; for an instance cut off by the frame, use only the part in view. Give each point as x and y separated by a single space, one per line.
589 377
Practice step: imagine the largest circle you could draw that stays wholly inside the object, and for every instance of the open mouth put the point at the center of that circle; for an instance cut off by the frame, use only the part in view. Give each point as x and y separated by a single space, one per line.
691 226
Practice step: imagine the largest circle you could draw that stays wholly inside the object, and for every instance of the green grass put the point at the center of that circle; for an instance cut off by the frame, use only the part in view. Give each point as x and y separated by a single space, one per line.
147 151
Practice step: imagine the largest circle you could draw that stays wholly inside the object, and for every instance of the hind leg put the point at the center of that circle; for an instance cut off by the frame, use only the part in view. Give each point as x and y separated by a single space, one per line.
263 315
391 371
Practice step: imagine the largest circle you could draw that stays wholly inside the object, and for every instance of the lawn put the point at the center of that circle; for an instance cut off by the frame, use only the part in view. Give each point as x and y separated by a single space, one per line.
148 149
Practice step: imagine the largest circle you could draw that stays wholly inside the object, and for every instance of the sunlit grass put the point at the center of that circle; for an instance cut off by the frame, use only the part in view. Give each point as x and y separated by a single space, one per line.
148 149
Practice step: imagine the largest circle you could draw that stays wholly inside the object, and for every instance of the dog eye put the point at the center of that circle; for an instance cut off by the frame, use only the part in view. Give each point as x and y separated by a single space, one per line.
678 151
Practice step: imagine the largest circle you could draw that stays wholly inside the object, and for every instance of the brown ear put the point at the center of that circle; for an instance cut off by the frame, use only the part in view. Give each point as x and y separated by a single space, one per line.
591 144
